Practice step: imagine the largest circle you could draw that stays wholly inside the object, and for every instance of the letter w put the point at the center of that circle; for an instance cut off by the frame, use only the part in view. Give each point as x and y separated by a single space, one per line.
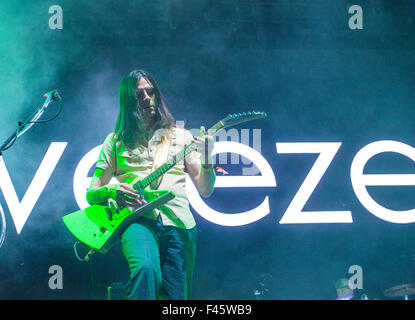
20 211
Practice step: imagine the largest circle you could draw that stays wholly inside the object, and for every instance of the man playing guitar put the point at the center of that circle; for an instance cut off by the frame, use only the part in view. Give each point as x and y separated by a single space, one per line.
160 246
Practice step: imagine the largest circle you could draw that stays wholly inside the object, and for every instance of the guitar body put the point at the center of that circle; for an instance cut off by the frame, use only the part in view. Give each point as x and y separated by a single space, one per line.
99 227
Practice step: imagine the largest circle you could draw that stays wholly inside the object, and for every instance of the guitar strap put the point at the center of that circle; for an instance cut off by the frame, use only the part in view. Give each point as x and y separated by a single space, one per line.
160 157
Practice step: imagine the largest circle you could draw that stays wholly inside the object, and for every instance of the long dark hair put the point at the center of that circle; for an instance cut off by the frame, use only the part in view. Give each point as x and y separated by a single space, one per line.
130 123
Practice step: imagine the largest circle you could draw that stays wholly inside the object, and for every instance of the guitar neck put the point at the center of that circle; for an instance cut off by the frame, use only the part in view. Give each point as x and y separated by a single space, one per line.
163 168
230 120
171 162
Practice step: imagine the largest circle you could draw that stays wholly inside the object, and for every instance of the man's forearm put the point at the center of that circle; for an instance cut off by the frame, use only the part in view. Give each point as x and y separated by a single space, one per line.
207 180
101 195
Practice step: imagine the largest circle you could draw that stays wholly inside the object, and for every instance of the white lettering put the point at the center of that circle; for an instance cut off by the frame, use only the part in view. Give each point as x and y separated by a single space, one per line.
360 180
20 211
294 213
266 179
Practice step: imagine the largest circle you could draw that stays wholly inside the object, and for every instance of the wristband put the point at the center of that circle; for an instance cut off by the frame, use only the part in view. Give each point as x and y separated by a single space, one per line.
207 167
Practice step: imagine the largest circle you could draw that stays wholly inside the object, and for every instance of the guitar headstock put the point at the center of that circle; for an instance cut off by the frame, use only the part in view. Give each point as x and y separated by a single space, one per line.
237 118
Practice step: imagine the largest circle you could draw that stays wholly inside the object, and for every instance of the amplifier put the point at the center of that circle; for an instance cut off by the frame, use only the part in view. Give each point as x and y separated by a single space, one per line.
116 291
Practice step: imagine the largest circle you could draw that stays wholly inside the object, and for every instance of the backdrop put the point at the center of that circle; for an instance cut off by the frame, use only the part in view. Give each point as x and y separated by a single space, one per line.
318 79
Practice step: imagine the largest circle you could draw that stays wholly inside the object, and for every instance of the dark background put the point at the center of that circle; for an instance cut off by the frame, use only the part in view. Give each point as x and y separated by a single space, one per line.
298 60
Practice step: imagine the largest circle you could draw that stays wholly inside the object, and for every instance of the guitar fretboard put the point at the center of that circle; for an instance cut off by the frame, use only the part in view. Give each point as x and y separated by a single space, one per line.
170 163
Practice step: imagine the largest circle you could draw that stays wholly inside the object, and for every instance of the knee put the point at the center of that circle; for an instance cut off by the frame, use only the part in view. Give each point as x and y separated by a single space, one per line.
150 268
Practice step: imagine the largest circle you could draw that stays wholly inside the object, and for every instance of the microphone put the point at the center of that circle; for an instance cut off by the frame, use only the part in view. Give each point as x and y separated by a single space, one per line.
54 95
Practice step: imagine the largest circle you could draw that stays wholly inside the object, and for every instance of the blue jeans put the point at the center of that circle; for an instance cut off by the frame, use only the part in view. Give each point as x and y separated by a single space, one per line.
161 260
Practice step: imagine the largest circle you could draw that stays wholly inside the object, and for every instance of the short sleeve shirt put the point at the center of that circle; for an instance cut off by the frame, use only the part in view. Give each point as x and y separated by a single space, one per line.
128 165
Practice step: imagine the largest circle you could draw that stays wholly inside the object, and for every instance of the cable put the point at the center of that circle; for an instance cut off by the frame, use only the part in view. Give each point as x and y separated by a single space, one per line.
20 128
91 270
92 280
76 252
88 255
50 119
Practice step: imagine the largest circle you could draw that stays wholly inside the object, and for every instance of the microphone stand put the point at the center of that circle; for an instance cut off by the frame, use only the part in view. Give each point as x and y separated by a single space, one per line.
3 226
22 128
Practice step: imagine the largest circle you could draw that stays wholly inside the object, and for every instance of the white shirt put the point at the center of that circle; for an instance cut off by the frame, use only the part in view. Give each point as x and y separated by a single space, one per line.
127 165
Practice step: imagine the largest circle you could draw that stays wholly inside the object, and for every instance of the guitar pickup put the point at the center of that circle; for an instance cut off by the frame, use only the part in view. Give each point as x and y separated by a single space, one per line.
112 209
109 213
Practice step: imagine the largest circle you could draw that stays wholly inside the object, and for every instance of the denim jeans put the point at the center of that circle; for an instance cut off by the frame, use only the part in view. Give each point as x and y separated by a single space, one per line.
161 260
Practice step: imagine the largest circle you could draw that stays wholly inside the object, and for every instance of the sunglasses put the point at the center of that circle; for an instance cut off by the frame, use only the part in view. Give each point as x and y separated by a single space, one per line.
140 93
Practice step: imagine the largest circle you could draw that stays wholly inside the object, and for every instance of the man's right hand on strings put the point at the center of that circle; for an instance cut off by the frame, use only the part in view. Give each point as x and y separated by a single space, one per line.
126 196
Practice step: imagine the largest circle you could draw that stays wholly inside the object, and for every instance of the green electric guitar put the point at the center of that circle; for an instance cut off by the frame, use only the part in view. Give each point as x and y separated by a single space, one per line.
98 226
